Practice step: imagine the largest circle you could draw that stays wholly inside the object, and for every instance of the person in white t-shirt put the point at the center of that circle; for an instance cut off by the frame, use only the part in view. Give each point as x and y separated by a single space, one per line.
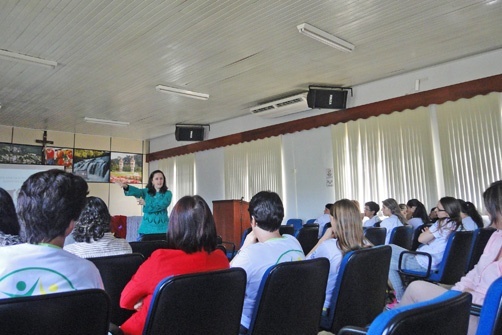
371 209
395 218
48 204
263 247
471 219
324 219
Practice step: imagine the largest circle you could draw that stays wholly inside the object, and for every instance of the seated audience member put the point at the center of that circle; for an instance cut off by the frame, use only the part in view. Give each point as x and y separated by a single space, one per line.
92 233
404 210
323 219
263 247
433 241
48 204
433 215
371 209
471 219
395 218
479 279
192 248
416 213
345 234
9 224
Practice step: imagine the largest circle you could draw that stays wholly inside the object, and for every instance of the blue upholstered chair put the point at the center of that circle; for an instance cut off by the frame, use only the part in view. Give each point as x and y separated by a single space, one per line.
376 235
290 298
447 314
490 321
360 289
402 236
199 303
297 223
479 241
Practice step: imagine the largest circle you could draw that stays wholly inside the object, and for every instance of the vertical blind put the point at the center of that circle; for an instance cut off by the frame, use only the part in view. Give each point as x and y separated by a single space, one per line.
252 167
180 175
470 135
392 156
389 156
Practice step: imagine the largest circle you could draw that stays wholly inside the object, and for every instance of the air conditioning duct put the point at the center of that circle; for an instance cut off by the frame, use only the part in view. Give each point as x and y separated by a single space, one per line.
290 105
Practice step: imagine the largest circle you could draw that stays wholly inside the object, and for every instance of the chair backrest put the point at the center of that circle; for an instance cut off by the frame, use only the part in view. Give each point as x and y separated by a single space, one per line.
296 223
376 235
402 236
83 312
116 271
290 298
416 234
198 303
447 314
147 247
308 237
490 320
285 229
310 221
361 284
455 258
479 241
153 237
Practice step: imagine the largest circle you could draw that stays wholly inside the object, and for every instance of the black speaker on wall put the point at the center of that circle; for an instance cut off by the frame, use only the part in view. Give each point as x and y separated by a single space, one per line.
328 98
189 133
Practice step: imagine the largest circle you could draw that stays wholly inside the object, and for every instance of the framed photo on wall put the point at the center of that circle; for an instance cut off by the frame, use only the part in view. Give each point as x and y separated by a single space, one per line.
126 168
92 165
5 152
26 154
59 156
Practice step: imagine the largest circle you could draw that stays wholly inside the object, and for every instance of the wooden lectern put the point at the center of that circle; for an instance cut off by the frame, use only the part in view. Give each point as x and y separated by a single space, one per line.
231 218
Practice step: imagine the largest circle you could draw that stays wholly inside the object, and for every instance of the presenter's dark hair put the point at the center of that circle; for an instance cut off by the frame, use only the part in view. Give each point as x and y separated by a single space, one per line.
93 222
267 209
9 223
191 226
151 188
47 203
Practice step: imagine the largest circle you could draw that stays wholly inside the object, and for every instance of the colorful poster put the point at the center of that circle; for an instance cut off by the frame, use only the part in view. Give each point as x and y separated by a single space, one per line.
59 156
126 168
92 165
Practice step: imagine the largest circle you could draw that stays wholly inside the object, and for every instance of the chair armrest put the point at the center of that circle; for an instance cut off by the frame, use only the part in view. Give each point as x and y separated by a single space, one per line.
352 330
429 265
476 309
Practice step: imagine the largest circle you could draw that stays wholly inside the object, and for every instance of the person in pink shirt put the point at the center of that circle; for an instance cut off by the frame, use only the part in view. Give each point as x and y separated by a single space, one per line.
479 279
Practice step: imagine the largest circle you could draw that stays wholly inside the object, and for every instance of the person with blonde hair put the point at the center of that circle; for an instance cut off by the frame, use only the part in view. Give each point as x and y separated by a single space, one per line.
344 235
395 218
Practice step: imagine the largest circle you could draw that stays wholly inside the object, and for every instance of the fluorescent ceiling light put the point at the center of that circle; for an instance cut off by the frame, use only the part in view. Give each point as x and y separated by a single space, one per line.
184 93
106 122
12 56
323 37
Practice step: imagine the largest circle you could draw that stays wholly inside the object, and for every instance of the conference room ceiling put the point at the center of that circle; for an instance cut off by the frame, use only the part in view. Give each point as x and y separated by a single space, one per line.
112 54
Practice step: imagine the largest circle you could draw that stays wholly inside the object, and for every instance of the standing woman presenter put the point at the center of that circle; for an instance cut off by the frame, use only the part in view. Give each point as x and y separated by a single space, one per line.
155 199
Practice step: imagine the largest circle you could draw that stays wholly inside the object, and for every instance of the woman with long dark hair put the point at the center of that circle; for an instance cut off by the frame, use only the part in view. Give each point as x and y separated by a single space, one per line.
417 213
471 219
155 199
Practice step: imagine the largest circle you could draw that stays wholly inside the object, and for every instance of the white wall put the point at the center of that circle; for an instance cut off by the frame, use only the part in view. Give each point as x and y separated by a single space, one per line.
307 154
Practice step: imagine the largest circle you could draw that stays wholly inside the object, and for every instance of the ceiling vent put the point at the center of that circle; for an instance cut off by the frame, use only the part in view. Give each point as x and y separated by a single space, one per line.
293 104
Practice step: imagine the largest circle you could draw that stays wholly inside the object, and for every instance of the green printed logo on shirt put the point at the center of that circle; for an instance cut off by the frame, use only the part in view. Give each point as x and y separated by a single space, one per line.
30 281
290 256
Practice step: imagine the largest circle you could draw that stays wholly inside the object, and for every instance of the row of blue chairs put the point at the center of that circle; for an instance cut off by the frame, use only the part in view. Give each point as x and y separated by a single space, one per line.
211 303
